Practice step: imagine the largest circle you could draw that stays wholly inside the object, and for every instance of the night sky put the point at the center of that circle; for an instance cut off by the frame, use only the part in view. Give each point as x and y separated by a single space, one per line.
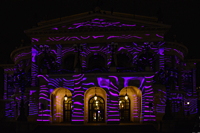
19 15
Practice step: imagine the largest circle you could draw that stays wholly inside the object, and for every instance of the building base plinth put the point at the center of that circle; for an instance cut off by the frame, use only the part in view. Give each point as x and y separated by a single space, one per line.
113 122
77 122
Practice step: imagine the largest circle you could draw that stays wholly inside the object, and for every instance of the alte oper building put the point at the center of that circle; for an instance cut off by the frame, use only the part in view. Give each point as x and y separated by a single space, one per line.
100 67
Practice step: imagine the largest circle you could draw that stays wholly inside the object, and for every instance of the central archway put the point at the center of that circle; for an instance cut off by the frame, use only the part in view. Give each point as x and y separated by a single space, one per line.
96 109
132 105
89 111
67 108
124 108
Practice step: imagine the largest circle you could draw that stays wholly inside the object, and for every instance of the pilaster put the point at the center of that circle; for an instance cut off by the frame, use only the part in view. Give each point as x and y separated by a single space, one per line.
113 103
34 67
59 54
78 100
44 100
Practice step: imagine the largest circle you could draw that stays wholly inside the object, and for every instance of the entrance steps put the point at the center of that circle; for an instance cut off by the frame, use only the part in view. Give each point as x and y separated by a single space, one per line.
95 128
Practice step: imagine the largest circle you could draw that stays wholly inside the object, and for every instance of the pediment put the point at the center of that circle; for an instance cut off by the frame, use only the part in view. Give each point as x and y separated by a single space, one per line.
97 22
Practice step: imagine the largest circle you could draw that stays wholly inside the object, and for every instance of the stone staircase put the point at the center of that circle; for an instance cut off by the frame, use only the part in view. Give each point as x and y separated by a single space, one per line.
95 129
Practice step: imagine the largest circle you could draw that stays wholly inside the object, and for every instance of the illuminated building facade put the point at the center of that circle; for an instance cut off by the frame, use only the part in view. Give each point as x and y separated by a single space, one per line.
100 67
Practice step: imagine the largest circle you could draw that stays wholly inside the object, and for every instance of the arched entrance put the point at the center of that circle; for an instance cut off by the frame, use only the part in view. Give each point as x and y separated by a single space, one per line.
95 108
61 105
130 104
124 108
67 109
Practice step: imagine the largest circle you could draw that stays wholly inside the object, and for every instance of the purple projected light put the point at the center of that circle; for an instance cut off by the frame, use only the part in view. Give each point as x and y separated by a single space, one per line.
45 78
21 55
102 82
161 51
159 36
35 39
34 54
55 28
98 36
99 23
78 38
127 79
124 37
78 106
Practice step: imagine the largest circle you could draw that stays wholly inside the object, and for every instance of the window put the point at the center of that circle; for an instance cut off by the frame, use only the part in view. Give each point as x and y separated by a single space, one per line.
96 109
124 109
67 108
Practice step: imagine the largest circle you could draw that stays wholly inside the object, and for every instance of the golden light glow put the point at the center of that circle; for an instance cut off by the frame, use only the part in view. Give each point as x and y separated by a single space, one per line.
57 98
89 93
95 97
126 97
134 94
65 97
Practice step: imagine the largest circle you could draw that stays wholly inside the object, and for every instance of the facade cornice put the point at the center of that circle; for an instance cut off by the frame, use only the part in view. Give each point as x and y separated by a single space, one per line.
192 60
98 38
191 63
8 68
177 46
6 65
139 74
99 30
19 53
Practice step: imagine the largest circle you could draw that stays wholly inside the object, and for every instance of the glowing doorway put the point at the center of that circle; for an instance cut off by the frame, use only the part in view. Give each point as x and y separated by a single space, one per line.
124 109
96 109
131 104
61 107
67 109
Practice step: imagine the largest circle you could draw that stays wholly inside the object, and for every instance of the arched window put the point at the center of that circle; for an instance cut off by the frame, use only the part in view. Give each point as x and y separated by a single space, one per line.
146 59
96 63
96 109
124 109
67 109
123 60
47 64
69 62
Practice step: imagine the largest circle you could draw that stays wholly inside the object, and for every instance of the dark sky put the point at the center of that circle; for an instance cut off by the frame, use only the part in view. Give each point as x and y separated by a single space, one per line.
19 15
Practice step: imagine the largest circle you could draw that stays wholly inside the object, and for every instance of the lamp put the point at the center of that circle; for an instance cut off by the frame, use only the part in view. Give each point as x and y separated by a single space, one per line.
126 96
65 97
95 96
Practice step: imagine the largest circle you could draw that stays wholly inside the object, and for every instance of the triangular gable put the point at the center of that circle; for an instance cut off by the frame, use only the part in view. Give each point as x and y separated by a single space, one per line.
97 21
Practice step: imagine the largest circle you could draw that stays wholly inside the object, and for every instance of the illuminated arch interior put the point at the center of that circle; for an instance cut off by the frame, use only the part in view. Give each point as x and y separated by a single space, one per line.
57 97
91 93
135 96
